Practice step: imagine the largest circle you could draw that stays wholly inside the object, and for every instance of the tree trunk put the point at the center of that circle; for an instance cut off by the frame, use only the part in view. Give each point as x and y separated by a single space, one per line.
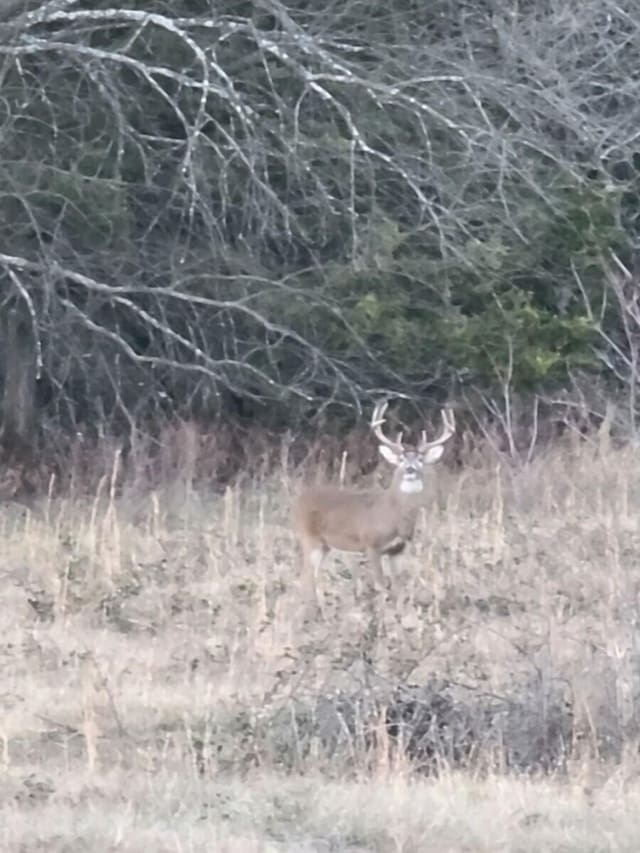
18 398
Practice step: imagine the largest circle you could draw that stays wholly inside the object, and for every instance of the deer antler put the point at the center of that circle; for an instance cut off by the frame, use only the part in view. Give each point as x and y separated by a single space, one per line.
448 429
377 420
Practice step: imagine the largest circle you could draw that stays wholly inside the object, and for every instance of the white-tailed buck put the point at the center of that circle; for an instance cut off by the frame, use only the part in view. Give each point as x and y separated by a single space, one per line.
375 522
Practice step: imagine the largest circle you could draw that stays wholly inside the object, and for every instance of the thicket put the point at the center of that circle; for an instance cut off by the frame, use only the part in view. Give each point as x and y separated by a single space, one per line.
265 208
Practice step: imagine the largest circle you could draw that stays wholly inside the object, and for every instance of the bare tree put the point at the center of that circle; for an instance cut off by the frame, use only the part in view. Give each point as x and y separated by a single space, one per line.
269 202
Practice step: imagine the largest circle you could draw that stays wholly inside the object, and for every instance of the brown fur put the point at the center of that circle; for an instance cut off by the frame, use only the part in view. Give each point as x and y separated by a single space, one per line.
377 522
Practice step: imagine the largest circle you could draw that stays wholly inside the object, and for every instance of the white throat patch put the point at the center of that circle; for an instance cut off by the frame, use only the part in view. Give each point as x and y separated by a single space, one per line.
411 486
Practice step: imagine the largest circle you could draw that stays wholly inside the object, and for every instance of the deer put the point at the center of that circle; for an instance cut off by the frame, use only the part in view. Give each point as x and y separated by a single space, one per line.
378 522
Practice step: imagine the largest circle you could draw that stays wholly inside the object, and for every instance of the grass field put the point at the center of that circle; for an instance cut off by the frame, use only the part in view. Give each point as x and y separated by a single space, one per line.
161 690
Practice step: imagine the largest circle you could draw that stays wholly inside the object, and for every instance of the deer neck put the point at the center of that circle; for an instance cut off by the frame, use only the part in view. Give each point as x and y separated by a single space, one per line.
406 492
410 487
403 508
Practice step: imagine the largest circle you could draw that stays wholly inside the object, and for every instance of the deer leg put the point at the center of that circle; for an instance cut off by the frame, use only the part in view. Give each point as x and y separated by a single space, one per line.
392 564
375 561
313 558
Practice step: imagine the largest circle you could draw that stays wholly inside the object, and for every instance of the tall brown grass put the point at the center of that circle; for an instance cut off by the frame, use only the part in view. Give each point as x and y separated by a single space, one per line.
162 690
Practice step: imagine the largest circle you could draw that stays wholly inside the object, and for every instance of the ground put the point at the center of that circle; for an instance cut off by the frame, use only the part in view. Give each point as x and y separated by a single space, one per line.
162 690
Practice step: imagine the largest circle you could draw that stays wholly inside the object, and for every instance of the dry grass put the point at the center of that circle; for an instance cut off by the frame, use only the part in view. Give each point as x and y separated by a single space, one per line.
161 690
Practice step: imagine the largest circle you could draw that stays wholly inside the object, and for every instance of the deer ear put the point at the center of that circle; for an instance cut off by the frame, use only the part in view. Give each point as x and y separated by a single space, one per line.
390 455
433 454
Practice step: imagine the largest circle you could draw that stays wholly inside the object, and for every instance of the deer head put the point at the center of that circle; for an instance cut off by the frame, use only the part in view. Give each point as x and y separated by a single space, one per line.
408 461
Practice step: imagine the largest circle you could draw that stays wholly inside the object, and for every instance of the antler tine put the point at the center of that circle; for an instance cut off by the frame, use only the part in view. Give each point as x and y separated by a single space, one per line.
448 429
377 416
377 421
